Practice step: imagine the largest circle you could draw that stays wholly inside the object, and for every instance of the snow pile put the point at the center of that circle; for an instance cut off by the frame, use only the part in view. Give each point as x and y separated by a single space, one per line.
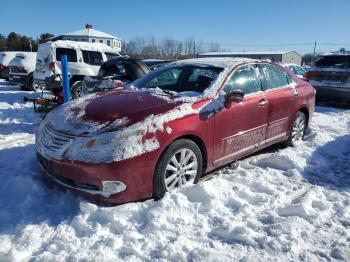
281 204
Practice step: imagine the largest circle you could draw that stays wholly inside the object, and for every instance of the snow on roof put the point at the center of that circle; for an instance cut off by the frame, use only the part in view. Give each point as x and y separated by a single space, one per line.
91 33
336 53
247 53
81 45
224 62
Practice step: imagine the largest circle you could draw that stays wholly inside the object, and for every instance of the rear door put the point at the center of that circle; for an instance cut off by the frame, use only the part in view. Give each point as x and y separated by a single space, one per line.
72 58
92 60
45 56
281 96
241 128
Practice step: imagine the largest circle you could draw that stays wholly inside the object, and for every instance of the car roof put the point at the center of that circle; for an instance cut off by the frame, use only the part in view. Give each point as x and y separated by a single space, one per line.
81 45
223 62
290 64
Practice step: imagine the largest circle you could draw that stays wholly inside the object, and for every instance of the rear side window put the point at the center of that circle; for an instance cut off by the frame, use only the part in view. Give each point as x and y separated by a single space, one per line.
245 78
274 77
299 71
92 57
70 53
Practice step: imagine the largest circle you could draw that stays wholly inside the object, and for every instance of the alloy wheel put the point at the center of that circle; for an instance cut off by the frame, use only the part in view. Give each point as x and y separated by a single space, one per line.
298 130
181 169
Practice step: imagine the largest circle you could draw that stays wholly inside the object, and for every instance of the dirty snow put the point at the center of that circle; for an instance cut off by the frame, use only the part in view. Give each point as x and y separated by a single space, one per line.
281 204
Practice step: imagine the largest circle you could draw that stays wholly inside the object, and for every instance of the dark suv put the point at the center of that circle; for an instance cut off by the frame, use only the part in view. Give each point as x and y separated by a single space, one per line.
330 75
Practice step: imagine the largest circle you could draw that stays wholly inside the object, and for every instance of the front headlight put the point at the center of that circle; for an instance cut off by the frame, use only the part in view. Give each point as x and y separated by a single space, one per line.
111 146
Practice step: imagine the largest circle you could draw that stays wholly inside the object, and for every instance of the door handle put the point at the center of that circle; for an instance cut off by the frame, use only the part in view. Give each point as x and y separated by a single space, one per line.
263 102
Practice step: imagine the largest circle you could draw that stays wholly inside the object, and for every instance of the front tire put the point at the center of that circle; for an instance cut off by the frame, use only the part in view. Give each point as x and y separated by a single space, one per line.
180 165
77 89
297 130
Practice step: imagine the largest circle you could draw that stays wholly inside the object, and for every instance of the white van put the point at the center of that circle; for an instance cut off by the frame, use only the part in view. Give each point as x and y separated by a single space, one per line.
84 59
21 69
5 58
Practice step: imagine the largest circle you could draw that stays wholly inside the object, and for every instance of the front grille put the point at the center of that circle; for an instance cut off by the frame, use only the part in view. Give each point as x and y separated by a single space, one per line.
52 142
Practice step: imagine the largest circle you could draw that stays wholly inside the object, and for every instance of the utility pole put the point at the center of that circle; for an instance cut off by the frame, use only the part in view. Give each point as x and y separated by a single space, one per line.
194 48
313 56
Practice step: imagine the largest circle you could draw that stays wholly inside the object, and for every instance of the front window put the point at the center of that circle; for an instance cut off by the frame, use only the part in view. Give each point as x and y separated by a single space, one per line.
92 57
180 78
299 71
339 61
245 78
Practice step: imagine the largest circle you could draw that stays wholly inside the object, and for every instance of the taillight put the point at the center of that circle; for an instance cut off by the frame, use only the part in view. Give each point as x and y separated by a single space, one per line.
311 75
2 67
52 66
119 84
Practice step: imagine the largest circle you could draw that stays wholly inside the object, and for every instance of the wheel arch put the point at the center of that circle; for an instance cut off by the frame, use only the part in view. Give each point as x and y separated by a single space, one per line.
75 78
306 112
198 141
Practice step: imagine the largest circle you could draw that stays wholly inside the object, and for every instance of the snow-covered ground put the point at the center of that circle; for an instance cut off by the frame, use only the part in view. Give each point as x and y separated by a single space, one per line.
283 204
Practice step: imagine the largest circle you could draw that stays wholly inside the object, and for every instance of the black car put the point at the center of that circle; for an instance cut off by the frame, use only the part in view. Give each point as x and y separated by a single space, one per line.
330 75
114 73
154 64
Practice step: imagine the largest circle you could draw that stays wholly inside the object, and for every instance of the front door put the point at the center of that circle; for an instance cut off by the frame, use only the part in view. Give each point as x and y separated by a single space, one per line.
241 128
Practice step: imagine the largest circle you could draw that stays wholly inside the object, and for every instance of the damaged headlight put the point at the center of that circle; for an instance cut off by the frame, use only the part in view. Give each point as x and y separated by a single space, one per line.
110 146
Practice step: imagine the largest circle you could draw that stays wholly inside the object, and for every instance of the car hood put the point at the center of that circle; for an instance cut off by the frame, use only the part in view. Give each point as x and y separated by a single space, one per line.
112 110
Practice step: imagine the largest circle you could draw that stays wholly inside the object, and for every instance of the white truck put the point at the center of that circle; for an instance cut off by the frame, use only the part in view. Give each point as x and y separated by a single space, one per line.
84 59
21 69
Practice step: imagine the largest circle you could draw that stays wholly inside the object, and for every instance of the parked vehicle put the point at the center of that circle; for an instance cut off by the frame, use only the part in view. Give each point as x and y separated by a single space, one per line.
84 59
114 73
330 75
298 70
171 126
154 64
5 58
21 69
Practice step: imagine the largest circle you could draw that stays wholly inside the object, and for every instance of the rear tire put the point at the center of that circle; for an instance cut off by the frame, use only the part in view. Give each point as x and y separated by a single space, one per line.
180 165
297 130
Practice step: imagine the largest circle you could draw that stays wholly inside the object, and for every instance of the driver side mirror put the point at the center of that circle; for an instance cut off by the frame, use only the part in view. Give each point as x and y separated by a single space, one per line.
235 96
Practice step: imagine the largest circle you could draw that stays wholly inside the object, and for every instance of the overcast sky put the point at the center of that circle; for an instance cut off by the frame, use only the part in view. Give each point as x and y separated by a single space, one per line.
235 25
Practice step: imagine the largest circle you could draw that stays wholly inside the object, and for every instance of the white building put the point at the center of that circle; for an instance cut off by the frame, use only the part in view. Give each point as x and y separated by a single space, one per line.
88 34
274 56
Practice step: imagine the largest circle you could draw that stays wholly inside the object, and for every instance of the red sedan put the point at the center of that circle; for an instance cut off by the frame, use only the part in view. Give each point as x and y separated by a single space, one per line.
168 128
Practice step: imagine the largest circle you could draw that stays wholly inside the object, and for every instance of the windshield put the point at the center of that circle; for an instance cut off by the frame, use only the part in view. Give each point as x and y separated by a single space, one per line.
180 78
340 61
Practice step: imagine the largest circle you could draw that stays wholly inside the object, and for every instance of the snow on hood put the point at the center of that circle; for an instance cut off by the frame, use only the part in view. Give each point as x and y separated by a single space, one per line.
107 130
90 114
